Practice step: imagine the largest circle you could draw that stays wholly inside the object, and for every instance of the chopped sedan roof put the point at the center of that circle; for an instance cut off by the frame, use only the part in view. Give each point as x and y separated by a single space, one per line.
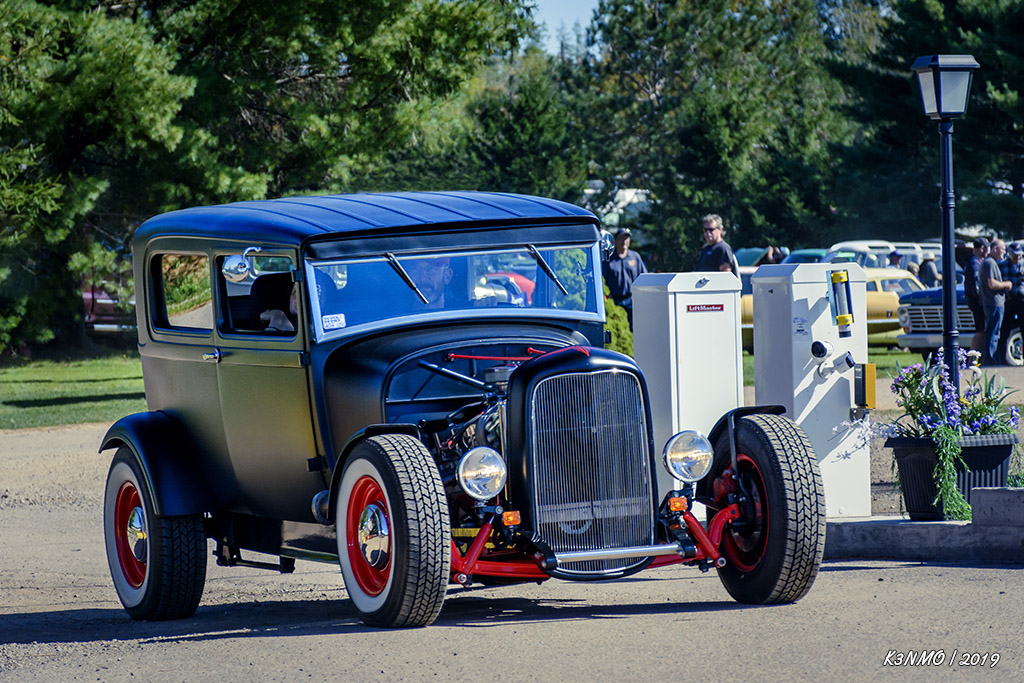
296 219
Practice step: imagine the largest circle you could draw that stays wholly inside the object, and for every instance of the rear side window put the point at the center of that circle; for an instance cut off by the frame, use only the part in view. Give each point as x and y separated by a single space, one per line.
184 299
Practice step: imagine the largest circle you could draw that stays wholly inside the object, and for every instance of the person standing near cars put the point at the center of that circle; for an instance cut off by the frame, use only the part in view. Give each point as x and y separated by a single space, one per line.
993 299
929 272
894 259
1013 312
973 292
620 270
716 254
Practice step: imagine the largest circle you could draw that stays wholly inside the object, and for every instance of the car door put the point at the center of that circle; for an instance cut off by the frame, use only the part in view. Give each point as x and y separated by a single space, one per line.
179 353
263 382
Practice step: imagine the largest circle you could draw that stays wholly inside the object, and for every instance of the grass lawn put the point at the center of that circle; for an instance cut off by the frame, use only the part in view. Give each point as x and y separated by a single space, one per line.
887 363
101 388
106 385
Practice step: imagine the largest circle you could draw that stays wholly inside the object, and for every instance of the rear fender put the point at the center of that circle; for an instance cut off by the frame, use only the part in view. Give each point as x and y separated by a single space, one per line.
725 425
169 459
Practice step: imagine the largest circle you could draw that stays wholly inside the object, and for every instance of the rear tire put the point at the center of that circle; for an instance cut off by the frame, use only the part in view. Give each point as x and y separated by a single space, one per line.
775 558
394 533
158 564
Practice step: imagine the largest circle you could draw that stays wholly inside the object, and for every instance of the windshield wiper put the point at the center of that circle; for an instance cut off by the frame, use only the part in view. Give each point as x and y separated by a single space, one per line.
405 276
546 268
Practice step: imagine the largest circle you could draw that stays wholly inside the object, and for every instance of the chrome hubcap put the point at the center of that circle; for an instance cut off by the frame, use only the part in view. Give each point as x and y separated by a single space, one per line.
374 536
136 533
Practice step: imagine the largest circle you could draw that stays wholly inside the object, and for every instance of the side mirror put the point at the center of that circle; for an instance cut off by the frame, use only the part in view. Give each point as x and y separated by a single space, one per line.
237 268
607 244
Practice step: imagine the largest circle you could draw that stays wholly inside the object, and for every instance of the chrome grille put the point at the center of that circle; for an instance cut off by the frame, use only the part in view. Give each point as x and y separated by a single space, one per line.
929 318
592 479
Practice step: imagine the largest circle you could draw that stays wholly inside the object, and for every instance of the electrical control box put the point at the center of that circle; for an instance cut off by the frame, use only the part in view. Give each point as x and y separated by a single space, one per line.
810 335
686 339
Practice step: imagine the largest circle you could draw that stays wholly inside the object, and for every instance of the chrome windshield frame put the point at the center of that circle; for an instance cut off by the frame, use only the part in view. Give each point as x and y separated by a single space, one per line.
319 334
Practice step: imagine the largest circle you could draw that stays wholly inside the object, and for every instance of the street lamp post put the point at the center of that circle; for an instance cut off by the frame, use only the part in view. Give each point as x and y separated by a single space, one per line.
945 82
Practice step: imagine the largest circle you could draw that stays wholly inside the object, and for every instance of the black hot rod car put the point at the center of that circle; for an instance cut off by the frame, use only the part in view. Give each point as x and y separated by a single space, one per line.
413 385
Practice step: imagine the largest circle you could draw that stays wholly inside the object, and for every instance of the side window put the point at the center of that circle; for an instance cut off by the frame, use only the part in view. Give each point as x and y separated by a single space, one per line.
872 286
264 300
185 300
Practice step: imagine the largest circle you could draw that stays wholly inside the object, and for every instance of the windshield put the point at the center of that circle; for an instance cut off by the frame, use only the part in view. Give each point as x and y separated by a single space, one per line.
899 285
549 281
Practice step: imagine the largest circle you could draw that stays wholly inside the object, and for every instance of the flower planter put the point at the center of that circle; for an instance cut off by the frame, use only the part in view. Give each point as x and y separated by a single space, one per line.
987 456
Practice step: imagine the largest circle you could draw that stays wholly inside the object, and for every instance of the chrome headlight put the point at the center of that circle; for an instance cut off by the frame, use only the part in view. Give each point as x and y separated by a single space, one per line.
482 473
688 456
903 316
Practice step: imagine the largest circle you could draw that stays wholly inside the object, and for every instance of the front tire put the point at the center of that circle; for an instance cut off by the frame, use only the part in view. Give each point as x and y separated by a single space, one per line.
394 534
774 556
158 564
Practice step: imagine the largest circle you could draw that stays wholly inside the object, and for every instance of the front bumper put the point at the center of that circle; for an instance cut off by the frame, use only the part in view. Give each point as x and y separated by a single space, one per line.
564 558
920 340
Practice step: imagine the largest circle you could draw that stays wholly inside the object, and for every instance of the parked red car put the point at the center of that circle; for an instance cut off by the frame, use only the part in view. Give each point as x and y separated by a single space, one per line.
103 312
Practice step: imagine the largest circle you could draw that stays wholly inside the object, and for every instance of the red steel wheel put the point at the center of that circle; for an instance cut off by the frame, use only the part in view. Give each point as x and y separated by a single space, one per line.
368 522
131 533
744 547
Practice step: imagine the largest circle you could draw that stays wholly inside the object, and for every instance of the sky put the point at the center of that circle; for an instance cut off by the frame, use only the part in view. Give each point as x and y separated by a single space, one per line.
555 13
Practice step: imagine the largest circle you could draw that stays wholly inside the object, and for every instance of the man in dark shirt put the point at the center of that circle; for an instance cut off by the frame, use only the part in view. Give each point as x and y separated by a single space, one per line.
716 254
993 297
620 270
1013 313
971 284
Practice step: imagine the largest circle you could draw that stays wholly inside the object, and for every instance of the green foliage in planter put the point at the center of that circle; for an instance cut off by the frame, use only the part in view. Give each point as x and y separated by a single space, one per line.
1016 475
948 448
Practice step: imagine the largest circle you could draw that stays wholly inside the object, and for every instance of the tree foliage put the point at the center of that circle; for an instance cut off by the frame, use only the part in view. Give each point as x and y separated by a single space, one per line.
83 97
892 174
114 111
796 120
716 106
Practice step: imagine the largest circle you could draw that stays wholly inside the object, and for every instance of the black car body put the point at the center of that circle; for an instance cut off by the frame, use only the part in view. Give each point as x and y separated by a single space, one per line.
413 385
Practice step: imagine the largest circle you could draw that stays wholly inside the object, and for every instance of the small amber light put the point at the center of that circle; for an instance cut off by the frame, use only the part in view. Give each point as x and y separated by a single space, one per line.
678 504
511 518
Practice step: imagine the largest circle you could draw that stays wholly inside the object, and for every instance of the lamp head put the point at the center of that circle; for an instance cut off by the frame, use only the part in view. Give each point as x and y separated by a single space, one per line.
945 82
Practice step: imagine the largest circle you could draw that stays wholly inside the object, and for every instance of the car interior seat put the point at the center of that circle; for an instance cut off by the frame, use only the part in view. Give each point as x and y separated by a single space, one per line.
273 291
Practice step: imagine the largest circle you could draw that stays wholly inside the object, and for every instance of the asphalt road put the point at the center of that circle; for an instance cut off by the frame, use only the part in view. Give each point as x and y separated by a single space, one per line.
60 619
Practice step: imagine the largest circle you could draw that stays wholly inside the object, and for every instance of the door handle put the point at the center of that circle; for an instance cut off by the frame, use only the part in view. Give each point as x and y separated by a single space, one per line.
212 355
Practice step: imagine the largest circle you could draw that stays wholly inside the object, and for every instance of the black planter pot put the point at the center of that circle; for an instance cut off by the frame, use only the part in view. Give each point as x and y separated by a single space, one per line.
987 456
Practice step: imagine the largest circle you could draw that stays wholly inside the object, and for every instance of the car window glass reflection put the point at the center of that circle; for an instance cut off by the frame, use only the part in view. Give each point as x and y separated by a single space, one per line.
367 290
185 284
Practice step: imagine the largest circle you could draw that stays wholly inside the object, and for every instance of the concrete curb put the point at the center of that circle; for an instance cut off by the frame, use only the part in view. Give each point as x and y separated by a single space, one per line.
995 535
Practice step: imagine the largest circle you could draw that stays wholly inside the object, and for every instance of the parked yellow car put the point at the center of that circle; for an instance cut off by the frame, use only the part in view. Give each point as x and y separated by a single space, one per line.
884 287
